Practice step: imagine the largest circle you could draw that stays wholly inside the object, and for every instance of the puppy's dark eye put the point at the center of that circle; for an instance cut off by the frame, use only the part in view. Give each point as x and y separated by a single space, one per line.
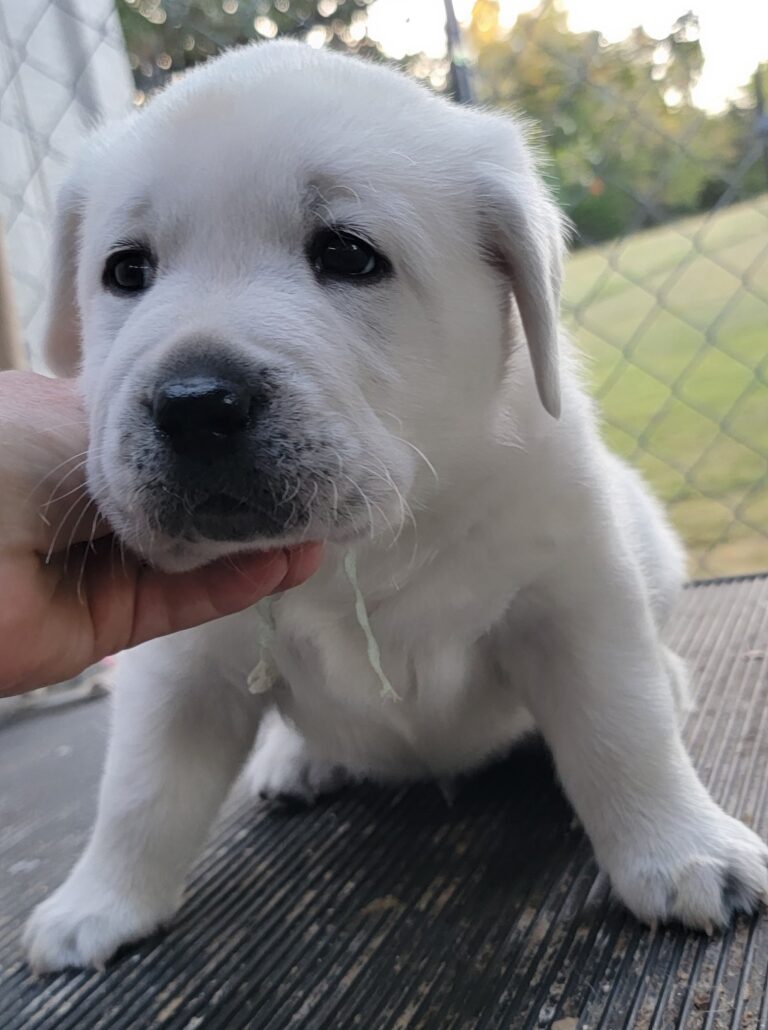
338 254
129 271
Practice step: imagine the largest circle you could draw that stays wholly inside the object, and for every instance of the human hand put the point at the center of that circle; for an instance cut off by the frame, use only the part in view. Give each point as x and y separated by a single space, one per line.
68 595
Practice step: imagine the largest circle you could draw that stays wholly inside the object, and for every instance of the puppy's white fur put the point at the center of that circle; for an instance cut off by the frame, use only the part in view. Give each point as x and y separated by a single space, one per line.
516 574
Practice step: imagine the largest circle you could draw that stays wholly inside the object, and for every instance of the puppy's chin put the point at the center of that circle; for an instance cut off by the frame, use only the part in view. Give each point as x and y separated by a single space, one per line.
170 555
182 556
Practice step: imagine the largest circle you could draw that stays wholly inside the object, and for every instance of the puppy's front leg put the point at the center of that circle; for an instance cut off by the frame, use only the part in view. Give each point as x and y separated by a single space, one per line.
603 699
179 737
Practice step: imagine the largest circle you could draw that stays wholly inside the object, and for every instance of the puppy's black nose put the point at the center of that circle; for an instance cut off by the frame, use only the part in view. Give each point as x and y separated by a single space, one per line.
201 412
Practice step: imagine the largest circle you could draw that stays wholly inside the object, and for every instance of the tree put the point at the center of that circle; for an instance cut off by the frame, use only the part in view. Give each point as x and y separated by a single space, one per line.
627 146
745 127
164 36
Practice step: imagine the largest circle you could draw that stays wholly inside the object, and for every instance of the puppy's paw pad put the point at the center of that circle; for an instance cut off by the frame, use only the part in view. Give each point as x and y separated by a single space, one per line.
73 929
702 882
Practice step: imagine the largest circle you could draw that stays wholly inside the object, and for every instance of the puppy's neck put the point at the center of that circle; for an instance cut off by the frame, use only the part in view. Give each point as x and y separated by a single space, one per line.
464 522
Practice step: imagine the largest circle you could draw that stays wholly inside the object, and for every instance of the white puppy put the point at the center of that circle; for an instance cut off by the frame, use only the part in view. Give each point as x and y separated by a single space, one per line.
316 302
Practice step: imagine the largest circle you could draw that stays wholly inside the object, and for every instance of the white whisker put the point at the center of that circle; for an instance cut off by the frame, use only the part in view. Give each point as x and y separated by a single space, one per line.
87 549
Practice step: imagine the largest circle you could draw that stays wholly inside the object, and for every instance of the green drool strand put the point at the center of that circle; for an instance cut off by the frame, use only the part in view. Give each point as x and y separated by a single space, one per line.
263 675
374 654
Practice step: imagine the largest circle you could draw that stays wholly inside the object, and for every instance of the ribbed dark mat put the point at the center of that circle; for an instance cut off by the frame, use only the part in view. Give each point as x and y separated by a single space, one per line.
384 909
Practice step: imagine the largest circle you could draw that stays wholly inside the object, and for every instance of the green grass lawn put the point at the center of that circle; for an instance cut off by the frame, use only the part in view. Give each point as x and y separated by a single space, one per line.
674 325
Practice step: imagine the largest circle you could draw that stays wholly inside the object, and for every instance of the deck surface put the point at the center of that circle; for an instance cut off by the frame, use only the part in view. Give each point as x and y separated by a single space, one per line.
388 909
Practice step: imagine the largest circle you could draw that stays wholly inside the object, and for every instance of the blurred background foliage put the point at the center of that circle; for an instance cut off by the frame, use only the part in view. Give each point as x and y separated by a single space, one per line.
165 36
627 146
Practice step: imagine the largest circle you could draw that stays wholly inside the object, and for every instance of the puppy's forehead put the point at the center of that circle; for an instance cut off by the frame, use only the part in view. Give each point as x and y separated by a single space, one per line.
312 140
277 116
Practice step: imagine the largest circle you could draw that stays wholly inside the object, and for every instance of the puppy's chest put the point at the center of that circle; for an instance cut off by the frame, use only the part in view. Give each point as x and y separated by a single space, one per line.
447 708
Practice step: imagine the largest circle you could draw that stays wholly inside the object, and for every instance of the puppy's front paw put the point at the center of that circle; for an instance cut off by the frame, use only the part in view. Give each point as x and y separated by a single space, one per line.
80 926
701 874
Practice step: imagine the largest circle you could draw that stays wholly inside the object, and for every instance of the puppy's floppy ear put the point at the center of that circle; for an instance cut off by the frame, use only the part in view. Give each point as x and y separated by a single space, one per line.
61 347
524 234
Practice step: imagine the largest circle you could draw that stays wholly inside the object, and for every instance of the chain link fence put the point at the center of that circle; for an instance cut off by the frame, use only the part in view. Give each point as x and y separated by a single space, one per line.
667 289
63 68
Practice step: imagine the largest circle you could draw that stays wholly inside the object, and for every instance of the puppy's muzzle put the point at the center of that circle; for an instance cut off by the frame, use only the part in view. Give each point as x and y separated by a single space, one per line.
219 465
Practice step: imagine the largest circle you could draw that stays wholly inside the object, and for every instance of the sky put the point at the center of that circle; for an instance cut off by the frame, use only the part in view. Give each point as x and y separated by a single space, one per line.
734 33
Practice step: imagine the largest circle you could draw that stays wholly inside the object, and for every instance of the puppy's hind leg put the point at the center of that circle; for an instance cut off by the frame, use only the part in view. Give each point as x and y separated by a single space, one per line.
282 769
179 737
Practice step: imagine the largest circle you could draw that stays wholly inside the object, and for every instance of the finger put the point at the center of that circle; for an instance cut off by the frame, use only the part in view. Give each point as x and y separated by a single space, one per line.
303 562
169 602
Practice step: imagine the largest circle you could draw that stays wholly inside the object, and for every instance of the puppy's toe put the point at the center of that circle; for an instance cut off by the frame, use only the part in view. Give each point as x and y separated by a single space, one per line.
702 879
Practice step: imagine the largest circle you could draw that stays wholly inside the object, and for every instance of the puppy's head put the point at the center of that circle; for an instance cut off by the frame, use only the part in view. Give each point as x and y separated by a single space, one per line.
291 287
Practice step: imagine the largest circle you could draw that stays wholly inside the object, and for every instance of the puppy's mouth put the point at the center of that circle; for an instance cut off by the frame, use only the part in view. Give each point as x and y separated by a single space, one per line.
220 505
226 516
190 529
